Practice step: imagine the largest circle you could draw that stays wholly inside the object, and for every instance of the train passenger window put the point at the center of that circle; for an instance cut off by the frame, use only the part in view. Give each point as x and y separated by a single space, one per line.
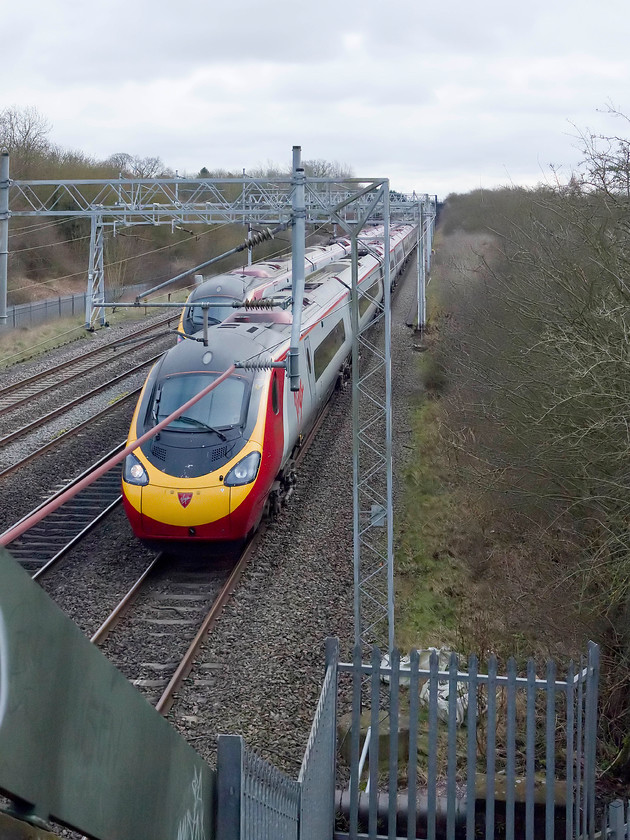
325 353
368 297
275 402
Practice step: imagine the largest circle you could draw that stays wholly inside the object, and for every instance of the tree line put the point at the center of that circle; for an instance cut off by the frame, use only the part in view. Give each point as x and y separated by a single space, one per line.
25 134
531 358
47 259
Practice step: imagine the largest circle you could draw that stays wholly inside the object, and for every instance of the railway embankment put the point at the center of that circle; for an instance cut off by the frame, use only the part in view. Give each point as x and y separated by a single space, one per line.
516 480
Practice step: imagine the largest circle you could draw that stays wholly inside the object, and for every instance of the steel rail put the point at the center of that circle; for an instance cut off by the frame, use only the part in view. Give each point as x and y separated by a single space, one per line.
227 590
74 481
83 371
101 634
112 345
76 527
69 433
74 403
77 537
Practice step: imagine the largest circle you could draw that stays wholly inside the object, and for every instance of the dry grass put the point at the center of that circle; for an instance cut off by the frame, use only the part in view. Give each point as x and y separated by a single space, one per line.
29 342
470 574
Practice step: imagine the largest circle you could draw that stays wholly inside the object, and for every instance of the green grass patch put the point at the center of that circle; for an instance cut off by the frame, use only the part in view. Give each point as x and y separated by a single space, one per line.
429 578
27 343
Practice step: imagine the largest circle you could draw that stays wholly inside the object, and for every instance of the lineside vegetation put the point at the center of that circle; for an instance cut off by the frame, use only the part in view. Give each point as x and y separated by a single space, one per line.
529 362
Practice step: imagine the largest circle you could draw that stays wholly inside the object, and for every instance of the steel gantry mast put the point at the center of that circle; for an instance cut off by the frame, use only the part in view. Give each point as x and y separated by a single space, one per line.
96 274
4 233
425 209
373 522
293 201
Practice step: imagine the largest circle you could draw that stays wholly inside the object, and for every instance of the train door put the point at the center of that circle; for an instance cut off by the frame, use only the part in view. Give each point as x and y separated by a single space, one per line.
299 405
307 384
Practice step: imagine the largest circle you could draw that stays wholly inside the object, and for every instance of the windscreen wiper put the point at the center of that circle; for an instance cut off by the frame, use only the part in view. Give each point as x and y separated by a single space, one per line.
156 404
202 425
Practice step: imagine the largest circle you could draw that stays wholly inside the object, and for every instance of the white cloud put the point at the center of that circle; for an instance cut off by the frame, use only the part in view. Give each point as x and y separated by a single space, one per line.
458 94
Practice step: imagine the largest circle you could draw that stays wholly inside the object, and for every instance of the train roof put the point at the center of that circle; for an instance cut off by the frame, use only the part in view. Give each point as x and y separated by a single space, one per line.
263 333
243 280
221 285
227 343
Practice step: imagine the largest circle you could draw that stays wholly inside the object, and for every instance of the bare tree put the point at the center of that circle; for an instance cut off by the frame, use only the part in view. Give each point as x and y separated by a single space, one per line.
134 166
146 167
320 168
120 161
24 134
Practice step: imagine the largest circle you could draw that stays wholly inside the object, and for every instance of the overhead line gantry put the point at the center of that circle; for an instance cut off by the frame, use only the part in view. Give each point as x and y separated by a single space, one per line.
294 201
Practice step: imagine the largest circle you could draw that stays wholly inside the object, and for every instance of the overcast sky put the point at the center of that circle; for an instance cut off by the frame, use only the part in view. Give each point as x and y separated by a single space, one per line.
436 96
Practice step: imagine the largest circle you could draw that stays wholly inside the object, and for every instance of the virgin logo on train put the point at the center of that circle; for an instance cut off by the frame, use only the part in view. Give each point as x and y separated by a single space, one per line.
298 397
184 499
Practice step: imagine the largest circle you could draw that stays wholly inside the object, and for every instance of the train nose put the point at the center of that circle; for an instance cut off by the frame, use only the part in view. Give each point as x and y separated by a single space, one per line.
185 508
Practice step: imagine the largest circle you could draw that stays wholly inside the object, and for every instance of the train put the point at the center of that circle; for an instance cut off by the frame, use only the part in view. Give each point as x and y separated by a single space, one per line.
251 282
211 475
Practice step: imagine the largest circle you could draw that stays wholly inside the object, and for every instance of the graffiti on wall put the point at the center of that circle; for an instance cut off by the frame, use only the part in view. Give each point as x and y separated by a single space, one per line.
191 825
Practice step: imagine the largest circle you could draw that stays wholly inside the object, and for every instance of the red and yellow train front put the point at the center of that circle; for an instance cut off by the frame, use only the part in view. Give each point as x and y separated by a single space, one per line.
172 492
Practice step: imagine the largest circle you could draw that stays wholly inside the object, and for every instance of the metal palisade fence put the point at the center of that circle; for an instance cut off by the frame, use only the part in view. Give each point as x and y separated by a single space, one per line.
616 825
317 773
255 800
439 750
41 311
458 753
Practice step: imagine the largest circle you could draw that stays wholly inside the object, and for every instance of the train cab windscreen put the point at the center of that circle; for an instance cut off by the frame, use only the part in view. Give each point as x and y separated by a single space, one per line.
222 408
216 312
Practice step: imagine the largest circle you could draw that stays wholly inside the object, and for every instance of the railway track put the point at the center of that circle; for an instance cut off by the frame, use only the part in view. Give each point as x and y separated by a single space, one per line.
75 430
47 541
38 422
32 387
168 612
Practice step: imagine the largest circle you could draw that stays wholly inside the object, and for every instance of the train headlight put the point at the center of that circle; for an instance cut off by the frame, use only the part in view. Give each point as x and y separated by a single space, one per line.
134 472
245 471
